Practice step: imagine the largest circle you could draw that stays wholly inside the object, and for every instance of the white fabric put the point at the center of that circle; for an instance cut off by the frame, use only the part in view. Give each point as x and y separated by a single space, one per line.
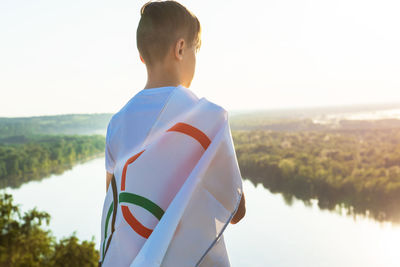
198 189
129 126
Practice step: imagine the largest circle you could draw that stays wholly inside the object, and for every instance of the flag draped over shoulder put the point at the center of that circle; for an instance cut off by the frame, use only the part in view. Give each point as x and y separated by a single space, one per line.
176 193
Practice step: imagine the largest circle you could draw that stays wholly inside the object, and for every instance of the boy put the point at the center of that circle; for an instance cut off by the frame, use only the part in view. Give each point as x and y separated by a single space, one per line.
168 37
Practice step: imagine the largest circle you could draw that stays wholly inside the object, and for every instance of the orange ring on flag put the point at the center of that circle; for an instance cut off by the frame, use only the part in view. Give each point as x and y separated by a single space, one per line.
181 127
194 132
134 223
129 161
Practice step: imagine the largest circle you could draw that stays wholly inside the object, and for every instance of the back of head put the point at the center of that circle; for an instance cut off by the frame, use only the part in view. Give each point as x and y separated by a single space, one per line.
161 24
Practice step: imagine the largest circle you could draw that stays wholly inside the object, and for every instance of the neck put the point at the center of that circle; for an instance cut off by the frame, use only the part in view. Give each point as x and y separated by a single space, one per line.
161 76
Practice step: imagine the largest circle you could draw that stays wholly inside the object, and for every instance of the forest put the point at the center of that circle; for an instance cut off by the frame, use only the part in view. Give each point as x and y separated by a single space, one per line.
358 170
32 157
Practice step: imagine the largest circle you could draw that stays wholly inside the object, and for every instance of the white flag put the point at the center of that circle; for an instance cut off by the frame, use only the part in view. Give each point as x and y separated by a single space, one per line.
176 193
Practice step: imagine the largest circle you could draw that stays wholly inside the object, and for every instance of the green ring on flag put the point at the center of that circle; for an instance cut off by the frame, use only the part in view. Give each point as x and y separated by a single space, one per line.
143 202
110 210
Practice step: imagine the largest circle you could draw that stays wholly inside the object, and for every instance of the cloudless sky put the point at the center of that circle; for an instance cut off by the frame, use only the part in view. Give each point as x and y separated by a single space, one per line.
80 56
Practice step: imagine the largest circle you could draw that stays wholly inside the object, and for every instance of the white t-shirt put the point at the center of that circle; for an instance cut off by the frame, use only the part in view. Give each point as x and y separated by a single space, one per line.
130 126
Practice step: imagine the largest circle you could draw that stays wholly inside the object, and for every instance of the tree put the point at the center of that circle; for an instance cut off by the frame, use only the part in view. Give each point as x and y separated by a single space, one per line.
24 243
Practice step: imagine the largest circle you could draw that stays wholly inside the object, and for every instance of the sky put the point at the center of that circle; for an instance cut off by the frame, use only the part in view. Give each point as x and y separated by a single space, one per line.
77 56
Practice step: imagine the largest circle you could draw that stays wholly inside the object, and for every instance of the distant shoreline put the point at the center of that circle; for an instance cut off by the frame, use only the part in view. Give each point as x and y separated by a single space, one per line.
38 157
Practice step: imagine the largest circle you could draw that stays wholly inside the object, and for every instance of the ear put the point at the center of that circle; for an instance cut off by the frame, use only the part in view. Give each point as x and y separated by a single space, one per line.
179 48
141 59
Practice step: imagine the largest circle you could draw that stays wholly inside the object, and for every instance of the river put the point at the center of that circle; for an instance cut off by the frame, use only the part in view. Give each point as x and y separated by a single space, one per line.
271 234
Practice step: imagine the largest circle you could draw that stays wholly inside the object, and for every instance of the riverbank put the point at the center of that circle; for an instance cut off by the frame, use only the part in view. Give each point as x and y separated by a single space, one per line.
358 170
36 157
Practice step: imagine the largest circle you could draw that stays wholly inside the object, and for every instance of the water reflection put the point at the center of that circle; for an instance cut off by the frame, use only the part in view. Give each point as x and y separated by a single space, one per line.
276 234
16 182
384 211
